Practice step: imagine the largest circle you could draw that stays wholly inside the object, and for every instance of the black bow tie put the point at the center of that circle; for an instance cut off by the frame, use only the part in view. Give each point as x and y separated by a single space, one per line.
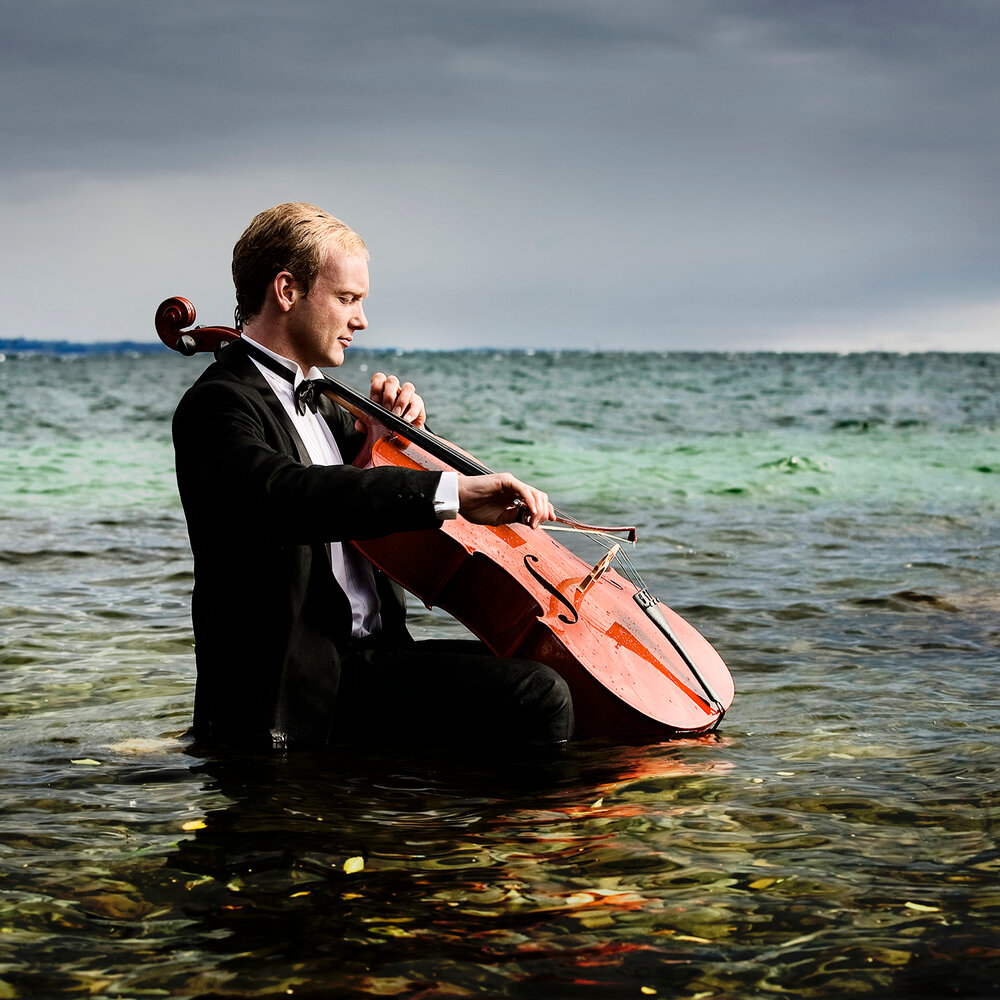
306 395
307 392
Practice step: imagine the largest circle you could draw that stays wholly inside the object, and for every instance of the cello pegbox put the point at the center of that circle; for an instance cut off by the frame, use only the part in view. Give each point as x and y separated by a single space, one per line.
174 314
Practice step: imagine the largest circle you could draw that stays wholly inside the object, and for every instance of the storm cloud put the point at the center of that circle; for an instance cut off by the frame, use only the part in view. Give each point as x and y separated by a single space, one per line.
560 173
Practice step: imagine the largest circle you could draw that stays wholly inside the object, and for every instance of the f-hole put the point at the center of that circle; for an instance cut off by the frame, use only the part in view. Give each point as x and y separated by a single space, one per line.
528 560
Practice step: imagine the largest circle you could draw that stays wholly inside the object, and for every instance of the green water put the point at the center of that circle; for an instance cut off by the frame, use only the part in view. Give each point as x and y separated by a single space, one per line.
830 523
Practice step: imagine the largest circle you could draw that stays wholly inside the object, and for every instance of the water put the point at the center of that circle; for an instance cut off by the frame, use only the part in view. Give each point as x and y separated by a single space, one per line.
831 523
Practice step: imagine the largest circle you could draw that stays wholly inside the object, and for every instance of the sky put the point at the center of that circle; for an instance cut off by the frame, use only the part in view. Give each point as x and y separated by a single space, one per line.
592 174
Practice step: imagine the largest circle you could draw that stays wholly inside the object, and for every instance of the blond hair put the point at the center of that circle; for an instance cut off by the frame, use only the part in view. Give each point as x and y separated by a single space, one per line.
293 237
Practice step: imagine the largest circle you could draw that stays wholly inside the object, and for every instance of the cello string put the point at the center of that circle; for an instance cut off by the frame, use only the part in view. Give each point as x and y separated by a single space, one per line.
606 542
439 447
460 460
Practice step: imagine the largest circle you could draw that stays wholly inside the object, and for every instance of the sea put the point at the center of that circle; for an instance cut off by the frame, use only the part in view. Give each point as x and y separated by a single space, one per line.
830 522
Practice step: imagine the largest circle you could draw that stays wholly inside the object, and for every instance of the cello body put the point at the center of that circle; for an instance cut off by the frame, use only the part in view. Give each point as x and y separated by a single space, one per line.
635 668
527 596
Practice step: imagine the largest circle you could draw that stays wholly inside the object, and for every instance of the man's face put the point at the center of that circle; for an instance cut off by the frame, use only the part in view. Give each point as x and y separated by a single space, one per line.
324 321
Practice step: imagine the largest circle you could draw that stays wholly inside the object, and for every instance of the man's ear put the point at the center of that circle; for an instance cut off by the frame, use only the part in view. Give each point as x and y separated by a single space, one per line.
286 290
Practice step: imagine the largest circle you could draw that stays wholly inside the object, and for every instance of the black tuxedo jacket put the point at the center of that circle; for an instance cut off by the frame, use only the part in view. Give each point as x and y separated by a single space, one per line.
270 619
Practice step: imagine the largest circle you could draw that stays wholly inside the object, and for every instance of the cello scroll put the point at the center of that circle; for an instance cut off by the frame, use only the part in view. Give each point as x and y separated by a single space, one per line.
174 315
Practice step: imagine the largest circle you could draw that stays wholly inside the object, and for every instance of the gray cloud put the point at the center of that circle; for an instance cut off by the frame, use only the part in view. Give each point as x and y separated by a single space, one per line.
663 174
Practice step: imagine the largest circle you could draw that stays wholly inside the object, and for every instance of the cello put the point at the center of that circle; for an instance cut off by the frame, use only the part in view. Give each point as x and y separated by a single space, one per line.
635 667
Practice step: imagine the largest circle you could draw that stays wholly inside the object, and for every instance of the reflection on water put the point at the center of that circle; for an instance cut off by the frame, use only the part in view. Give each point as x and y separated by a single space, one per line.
837 837
792 864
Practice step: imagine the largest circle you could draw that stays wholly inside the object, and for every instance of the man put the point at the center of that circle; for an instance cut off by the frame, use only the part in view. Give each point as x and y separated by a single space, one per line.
299 641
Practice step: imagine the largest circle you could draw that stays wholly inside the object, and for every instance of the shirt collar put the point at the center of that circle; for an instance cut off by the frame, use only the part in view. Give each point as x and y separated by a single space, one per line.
314 372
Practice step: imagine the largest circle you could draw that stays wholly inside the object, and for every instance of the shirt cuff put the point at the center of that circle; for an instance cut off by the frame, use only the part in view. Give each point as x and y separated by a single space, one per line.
446 497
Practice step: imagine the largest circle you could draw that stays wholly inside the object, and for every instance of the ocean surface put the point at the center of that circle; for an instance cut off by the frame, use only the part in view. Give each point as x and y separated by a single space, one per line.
831 523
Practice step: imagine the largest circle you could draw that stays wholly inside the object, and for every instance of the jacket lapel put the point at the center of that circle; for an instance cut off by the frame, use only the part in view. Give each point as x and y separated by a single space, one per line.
234 359
341 424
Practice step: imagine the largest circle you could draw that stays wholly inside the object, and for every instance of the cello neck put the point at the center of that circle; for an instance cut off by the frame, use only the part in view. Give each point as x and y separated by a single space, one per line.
174 319
360 406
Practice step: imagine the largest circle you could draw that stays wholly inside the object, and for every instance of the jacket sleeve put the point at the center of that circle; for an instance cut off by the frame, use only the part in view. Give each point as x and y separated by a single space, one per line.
234 467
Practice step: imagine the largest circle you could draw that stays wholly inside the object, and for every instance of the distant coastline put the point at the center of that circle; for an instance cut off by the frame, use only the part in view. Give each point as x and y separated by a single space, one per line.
20 345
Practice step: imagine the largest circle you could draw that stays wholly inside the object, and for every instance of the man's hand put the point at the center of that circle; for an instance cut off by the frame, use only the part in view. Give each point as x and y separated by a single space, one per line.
499 498
402 399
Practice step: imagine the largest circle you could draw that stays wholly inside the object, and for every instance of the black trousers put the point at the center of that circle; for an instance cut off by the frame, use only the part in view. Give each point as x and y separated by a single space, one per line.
449 690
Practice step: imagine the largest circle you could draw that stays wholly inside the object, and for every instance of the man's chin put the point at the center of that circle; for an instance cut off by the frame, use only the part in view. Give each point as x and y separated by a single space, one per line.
338 355
333 360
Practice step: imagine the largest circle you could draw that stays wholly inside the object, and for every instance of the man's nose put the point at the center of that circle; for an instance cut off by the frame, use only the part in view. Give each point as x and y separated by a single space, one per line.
359 321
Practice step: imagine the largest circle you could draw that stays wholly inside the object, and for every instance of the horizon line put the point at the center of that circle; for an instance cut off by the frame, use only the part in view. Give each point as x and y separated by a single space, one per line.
24 345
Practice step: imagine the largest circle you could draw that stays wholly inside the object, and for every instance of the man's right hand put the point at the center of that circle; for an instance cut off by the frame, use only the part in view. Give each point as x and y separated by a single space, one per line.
500 498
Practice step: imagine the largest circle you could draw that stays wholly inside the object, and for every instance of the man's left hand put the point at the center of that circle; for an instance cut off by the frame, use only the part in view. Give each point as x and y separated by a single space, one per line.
401 398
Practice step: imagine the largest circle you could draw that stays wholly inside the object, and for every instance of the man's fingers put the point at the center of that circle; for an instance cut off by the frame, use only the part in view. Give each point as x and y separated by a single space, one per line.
406 395
500 498
378 381
384 389
401 398
533 506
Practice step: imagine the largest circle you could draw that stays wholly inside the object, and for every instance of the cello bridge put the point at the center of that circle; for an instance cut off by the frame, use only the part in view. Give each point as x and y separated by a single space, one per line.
600 568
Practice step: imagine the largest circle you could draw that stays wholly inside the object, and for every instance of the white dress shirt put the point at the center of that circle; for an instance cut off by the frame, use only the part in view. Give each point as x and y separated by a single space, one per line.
352 570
